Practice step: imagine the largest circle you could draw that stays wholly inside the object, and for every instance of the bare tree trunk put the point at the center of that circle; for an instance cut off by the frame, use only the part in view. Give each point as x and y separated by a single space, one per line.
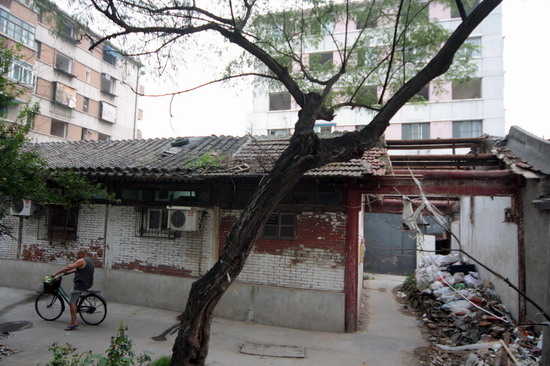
191 345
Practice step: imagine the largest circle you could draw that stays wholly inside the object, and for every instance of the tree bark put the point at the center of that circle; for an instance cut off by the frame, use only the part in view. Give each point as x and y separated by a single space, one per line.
305 151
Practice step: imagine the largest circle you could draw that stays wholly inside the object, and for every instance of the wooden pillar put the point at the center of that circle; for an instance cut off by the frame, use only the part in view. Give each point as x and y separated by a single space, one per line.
353 205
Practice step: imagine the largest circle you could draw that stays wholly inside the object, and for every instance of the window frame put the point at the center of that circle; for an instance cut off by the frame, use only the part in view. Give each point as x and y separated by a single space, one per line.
477 122
111 90
460 88
143 223
279 226
65 128
283 97
411 133
26 70
68 72
66 228
16 28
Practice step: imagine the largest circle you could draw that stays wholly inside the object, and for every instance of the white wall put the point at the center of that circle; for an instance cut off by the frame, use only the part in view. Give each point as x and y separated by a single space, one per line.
484 235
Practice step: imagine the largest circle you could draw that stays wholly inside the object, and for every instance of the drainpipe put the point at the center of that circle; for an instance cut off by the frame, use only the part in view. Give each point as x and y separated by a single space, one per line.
522 310
136 103
351 271
19 238
105 245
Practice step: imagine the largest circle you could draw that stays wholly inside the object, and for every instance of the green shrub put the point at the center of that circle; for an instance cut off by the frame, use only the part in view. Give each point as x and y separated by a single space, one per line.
163 361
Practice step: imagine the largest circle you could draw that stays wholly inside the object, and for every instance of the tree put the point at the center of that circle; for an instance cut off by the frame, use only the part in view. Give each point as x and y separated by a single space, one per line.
402 55
23 174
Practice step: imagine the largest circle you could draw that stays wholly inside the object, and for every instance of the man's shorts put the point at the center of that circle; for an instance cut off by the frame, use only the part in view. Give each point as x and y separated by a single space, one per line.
75 295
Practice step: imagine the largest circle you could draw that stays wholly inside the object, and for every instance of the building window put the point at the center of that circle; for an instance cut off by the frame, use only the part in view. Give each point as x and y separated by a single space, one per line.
86 133
62 223
67 30
16 28
467 7
63 63
475 42
108 84
103 137
363 20
21 72
88 72
323 128
280 226
278 132
110 55
59 128
467 129
320 61
415 131
467 90
38 47
64 95
153 222
279 101
107 112
86 104
424 93
367 94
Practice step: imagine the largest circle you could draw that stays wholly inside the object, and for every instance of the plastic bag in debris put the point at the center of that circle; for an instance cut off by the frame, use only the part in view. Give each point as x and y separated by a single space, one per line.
458 306
439 260
458 277
426 276
454 295
442 291
472 280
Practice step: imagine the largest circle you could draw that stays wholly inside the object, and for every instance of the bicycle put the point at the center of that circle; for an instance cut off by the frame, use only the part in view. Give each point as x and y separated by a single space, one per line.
50 304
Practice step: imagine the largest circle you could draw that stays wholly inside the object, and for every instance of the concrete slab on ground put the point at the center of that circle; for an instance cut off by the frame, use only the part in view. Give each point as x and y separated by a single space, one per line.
388 340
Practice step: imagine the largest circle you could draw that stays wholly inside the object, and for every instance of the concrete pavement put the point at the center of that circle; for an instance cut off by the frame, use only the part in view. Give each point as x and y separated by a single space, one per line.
388 339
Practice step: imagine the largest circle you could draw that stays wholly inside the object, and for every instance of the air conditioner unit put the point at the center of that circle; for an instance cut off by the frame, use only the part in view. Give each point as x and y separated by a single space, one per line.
21 207
184 218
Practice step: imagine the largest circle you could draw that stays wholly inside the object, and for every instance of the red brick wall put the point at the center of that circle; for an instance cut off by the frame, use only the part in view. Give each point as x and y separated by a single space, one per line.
315 259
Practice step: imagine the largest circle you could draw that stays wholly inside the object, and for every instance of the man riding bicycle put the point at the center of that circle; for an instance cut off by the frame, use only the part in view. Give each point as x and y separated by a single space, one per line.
83 280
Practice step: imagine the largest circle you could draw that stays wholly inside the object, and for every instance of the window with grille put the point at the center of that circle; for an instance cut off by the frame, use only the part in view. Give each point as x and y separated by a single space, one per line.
153 222
280 226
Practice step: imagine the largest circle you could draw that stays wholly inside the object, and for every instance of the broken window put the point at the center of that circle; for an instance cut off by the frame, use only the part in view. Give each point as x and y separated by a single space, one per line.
62 223
280 226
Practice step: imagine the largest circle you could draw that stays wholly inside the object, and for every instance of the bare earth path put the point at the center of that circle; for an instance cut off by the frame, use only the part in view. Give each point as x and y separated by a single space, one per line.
389 339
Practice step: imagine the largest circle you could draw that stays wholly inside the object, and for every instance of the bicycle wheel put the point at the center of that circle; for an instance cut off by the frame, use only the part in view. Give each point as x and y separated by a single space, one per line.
49 306
92 309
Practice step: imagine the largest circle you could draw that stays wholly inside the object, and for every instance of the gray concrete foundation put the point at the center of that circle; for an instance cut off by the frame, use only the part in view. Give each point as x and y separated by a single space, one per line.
270 305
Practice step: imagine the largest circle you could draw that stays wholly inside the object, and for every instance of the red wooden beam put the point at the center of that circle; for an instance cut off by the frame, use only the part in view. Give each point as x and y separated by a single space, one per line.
351 271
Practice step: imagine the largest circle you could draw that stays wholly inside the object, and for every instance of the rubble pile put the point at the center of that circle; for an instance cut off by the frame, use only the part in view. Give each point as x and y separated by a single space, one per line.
465 319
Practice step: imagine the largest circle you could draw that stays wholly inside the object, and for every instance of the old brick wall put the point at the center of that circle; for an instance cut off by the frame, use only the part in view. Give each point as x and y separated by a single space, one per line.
314 260
90 238
186 255
8 245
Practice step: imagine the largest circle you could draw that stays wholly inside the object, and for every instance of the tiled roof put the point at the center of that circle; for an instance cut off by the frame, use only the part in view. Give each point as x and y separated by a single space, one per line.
158 158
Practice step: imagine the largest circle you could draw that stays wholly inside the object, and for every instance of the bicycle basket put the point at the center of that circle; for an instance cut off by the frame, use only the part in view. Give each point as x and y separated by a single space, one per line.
52 286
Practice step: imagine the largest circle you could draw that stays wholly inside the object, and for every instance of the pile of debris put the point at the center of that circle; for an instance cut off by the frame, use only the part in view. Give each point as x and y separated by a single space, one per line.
467 323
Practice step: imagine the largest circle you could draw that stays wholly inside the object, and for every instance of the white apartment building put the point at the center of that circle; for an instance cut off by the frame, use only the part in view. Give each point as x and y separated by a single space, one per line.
83 95
460 110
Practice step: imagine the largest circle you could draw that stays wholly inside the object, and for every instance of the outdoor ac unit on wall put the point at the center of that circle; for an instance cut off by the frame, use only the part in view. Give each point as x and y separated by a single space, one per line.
184 218
21 207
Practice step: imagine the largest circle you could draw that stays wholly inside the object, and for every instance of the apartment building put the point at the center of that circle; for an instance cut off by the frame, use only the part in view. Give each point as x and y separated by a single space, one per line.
454 110
83 95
